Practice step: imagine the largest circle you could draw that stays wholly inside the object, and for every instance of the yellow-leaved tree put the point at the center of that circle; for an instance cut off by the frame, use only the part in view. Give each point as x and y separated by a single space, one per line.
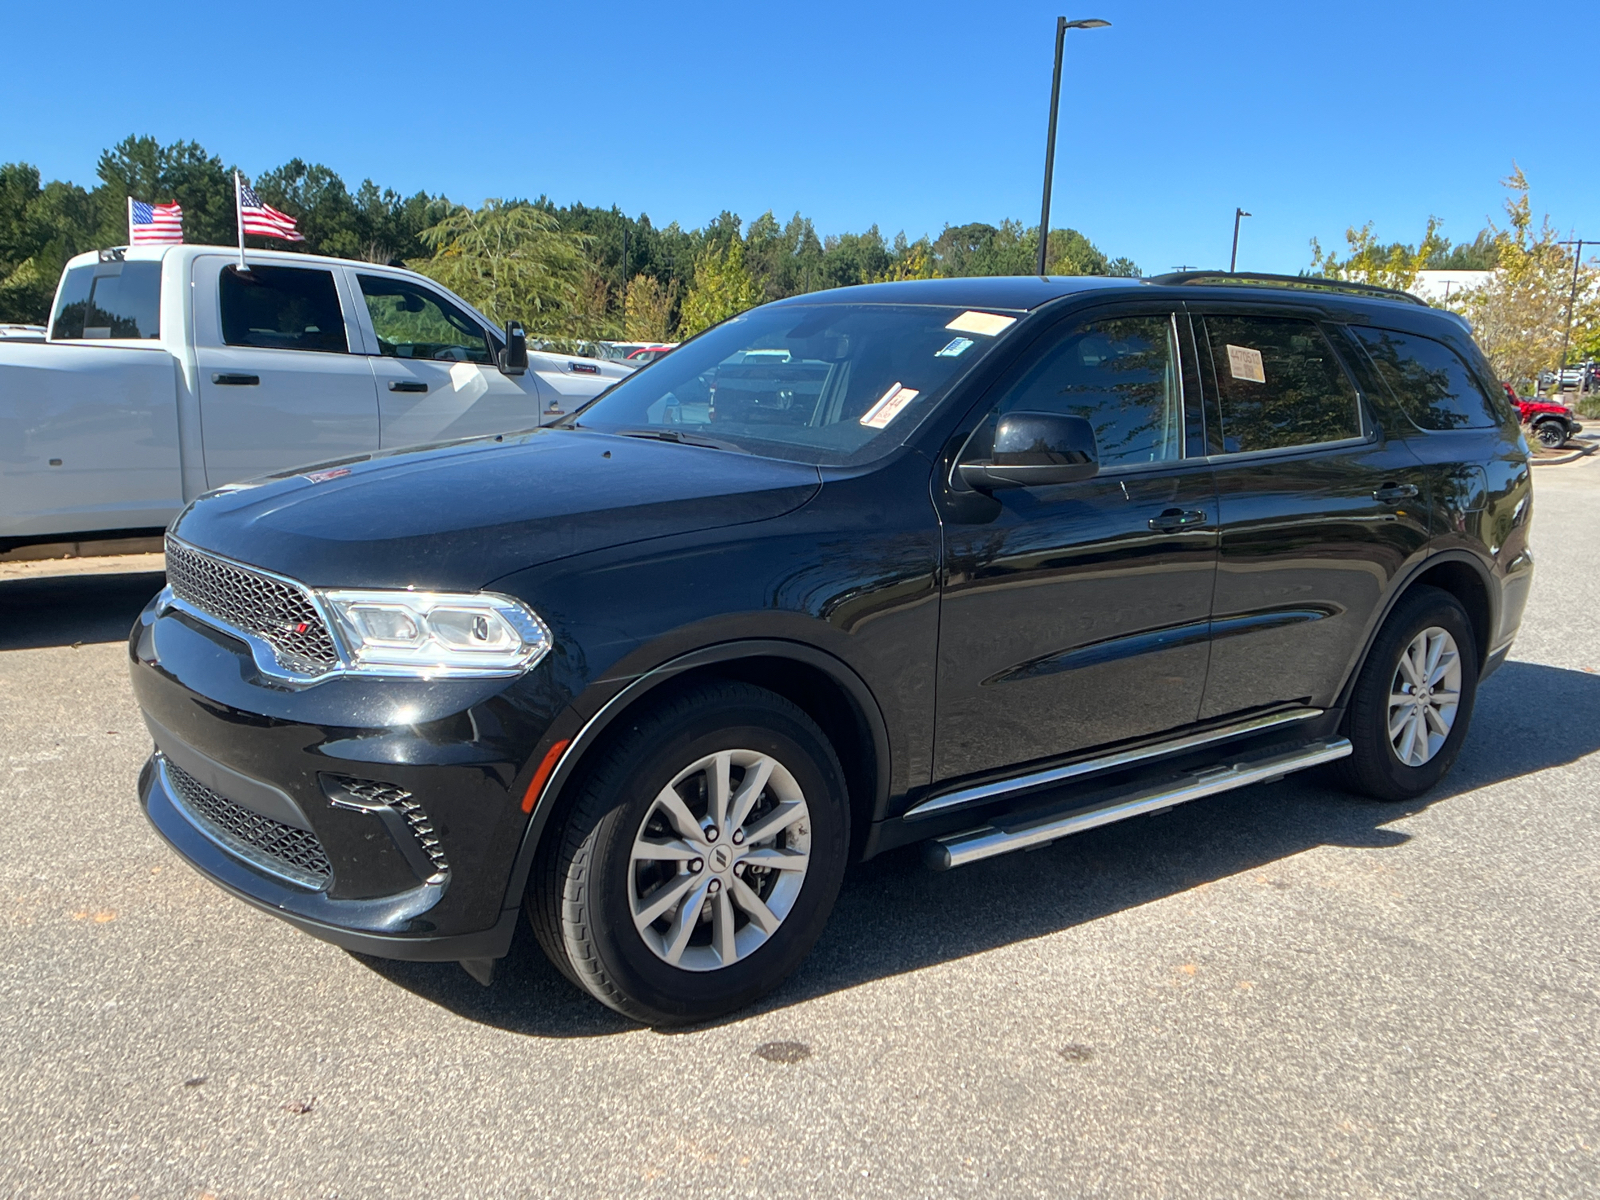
1520 316
1393 266
649 315
722 288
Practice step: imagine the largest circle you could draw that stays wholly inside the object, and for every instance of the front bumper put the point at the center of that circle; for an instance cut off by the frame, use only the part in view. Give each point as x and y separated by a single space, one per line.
381 815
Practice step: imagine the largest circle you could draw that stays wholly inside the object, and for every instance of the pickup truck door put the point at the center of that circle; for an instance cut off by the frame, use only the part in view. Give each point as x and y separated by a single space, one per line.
279 385
435 367
88 422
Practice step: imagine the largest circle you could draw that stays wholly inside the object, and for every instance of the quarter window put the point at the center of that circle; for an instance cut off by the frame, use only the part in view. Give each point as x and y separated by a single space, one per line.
412 322
109 300
1431 382
282 308
1121 375
1278 384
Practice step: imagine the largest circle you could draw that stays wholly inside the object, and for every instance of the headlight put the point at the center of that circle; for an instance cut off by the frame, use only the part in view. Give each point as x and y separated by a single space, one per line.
438 633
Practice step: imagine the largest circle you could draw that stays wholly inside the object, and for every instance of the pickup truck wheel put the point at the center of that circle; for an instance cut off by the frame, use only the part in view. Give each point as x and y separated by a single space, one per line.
1412 703
700 859
1551 434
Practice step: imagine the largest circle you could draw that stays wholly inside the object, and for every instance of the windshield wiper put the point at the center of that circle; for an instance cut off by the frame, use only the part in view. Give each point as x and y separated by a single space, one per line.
673 435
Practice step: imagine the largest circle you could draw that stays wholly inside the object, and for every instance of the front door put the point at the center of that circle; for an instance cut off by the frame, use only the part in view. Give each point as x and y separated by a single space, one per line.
1321 508
435 368
279 386
1076 615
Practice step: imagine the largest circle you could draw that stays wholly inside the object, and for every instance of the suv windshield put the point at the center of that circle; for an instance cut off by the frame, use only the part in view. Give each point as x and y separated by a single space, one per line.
826 384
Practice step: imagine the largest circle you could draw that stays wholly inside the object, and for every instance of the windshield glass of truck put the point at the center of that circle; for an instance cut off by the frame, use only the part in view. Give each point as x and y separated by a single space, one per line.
827 384
109 300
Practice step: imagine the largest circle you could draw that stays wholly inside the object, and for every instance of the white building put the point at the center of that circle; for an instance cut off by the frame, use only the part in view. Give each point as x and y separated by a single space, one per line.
1439 287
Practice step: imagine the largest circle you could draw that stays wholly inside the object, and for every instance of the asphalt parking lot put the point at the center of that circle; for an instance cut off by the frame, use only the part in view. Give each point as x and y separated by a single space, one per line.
1278 992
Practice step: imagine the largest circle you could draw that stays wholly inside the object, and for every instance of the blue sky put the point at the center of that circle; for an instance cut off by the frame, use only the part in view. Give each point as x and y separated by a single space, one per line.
1312 116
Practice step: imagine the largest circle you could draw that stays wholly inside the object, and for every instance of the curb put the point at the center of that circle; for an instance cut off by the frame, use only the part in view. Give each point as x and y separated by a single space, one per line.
1574 456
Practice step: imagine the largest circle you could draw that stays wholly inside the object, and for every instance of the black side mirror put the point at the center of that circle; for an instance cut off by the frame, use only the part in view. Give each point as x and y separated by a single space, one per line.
514 358
1034 449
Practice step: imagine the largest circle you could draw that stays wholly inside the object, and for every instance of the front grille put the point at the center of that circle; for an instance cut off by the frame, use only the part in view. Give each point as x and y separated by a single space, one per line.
279 613
371 792
295 853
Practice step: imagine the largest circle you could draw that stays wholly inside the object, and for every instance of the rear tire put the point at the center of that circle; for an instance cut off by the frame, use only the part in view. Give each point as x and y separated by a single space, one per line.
739 907
1414 699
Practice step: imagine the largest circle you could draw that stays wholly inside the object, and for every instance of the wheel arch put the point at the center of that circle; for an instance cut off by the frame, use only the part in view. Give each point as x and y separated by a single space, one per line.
826 688
1456 572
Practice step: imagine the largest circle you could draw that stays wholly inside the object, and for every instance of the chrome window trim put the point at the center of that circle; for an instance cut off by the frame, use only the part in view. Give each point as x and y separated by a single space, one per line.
1281 451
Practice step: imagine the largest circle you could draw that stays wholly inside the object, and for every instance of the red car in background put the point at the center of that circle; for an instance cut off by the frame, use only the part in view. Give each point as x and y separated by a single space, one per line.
648 354
1551 424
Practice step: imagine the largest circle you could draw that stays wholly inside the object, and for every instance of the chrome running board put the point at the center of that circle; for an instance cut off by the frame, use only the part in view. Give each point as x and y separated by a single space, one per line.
1106 762
959 849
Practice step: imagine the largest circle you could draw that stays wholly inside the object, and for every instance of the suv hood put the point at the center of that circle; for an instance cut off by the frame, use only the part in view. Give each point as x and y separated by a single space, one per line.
462 515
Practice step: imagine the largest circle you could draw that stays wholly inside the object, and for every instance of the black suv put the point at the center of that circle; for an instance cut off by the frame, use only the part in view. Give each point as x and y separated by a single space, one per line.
970 563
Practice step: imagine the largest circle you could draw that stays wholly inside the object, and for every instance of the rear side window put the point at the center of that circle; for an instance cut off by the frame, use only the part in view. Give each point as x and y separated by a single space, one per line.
1430 380
1278 384
109 300
282 308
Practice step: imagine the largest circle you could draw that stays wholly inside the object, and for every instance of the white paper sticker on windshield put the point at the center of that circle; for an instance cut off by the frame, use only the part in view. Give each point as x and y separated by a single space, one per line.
988 324
956 348
889 406
1245 363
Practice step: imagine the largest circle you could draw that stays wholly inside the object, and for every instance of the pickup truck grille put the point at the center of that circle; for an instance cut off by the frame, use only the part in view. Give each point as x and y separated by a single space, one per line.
279 613
293 853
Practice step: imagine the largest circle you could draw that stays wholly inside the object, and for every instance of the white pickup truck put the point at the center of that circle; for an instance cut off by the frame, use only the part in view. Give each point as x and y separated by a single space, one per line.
168 371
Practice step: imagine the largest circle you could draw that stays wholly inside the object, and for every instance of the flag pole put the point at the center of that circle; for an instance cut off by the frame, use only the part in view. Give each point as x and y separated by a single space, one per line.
238 211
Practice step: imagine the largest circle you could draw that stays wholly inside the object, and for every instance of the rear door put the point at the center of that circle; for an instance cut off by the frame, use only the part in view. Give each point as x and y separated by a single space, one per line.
1320 509
436 369
1077 614
279 386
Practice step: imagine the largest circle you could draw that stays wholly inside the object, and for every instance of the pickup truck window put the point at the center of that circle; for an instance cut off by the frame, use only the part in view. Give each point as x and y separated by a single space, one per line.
109 300
412 322
282 308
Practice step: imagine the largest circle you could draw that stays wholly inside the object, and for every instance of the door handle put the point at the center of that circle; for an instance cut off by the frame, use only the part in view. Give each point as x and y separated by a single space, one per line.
1178 518
229 380
1393 493
407 385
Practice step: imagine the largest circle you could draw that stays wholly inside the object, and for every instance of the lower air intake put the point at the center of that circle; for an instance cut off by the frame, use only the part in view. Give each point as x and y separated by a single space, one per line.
283 850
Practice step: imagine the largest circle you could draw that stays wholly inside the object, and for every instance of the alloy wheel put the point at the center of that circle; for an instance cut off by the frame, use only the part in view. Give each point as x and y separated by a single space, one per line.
1424 696
719 860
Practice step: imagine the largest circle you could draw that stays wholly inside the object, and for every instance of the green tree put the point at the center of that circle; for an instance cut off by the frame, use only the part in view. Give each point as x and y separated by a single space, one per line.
141 168
722 288
1393 266
511 259
649 312
1520 318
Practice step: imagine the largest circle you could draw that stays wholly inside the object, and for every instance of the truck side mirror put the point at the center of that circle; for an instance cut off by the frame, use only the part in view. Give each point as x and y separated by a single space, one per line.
514 358
1035 449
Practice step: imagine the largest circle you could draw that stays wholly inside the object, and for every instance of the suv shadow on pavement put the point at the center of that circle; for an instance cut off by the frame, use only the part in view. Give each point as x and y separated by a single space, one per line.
895 916
66 610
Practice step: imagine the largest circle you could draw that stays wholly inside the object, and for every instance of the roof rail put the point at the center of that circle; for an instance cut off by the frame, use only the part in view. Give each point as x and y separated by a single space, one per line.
1315 283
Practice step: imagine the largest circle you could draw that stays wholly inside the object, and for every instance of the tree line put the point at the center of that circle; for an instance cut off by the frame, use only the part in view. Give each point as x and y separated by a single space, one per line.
567 271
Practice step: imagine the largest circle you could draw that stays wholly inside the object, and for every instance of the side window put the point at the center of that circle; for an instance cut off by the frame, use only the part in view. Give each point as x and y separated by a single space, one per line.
1278 384
110 300
282 308
412 322
1431 382
1120 374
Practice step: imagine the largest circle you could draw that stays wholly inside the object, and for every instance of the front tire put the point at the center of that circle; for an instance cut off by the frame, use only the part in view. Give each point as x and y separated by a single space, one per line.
1552 435
700 859
1412 703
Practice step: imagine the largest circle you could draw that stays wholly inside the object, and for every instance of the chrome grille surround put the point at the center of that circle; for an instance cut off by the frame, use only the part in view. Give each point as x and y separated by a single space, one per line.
282 850
265 608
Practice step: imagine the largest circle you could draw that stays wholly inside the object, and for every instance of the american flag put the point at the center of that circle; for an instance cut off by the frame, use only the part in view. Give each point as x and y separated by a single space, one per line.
263 219
154 224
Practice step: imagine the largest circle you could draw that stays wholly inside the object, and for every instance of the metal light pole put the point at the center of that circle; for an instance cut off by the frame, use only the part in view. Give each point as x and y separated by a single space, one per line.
1062 25
1572 297
1233 259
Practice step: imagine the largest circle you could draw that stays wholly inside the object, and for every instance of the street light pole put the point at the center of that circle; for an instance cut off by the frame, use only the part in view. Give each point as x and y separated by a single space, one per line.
1062 25
1572 298
1233 259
